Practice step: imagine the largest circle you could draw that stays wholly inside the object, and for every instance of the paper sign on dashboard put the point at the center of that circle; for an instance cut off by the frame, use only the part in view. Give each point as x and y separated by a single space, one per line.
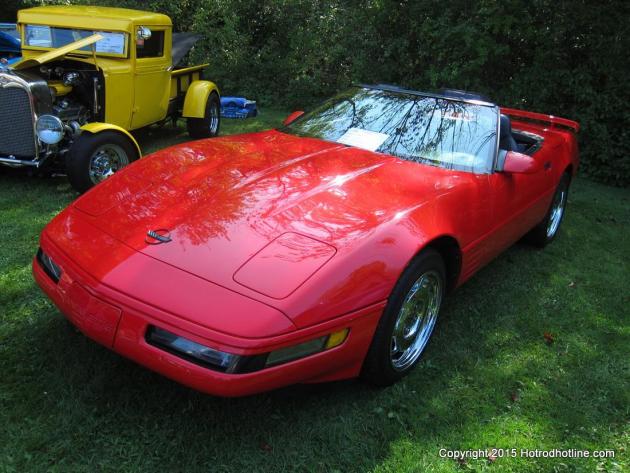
112 43
366 139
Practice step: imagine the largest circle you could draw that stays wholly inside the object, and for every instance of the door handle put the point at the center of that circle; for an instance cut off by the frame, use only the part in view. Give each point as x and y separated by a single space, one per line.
547 165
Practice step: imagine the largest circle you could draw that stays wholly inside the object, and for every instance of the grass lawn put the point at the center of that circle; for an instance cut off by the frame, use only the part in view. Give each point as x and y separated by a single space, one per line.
490 378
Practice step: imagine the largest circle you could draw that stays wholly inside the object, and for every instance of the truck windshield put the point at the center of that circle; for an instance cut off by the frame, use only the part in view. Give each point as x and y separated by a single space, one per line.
426 129
52 37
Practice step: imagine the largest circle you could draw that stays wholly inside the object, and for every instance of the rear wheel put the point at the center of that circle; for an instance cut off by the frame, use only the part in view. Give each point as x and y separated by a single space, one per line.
408 320
544 233
93 158
208 126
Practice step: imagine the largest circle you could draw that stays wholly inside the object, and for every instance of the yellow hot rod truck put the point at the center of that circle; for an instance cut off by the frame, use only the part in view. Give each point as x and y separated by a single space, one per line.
90 75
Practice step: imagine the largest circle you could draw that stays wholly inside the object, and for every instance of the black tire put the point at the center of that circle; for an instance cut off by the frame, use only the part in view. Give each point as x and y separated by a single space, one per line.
79 162
209 125
378 366
544 233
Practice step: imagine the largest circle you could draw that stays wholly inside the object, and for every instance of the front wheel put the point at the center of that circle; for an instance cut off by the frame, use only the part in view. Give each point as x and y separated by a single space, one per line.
408 320
208 126
92 158
544 233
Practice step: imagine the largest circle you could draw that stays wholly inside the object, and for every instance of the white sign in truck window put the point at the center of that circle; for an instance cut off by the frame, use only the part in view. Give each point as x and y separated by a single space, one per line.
366 139
38 36
112 43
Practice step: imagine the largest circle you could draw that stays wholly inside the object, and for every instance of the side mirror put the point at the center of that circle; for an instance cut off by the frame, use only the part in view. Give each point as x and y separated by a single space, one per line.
143 33
519 163
294 116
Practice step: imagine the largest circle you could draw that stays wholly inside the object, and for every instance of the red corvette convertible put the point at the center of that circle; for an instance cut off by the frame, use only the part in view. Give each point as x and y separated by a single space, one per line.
315 252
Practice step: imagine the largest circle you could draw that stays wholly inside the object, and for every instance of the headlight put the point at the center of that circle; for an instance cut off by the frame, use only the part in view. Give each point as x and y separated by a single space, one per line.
192 351
49 266
49 129
231 363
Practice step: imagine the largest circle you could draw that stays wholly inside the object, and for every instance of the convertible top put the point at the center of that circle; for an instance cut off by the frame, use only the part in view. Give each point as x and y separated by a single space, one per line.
182 44
451 94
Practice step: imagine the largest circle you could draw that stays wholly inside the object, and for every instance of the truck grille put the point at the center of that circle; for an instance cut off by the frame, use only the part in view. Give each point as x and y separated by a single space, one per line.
16 123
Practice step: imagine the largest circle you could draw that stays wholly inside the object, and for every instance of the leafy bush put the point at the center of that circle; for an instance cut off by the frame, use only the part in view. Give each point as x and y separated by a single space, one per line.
563 58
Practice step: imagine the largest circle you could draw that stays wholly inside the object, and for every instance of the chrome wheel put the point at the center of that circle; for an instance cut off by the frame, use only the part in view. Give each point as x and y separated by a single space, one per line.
106 160
416 320
557 210
214 113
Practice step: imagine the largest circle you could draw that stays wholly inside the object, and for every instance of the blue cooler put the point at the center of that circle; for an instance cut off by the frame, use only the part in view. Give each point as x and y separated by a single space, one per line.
238 107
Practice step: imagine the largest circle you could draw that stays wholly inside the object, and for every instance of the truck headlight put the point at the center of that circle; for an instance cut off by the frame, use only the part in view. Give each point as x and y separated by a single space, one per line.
49 129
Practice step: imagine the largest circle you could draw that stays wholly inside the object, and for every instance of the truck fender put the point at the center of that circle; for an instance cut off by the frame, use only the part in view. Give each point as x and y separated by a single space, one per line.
97 127
197 97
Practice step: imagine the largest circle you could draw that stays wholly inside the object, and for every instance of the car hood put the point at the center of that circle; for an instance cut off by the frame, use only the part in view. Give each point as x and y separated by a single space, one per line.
229 201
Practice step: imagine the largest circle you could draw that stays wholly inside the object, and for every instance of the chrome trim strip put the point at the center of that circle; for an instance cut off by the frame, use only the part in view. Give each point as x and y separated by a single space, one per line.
497 137
97 107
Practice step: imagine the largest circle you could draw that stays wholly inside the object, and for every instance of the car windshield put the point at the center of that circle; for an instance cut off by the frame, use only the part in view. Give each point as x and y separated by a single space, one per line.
447 133
42 36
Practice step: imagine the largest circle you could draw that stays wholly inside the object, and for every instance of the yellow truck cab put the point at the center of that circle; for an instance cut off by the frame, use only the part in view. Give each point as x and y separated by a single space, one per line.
90 75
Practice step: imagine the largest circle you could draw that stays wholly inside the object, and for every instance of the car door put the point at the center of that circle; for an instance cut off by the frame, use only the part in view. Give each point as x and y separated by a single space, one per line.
152 76
519 202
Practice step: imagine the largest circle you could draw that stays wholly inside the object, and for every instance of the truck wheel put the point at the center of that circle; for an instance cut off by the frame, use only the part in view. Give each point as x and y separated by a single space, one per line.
92 158
208 126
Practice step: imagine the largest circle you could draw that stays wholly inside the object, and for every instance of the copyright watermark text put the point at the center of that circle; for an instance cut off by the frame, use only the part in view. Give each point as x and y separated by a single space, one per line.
494 453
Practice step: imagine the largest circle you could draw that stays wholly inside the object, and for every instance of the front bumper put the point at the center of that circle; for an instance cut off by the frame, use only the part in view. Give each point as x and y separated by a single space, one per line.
18 163
120 323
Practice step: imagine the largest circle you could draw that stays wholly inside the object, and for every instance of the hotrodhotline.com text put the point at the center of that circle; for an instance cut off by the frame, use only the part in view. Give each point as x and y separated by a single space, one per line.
495 453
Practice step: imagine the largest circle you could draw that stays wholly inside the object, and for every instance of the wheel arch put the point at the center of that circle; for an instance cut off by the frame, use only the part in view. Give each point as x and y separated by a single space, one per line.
99 127
197 97
449 249
377 366
570 169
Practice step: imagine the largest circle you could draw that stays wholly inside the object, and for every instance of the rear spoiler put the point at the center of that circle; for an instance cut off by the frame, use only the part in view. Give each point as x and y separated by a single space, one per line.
554 122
